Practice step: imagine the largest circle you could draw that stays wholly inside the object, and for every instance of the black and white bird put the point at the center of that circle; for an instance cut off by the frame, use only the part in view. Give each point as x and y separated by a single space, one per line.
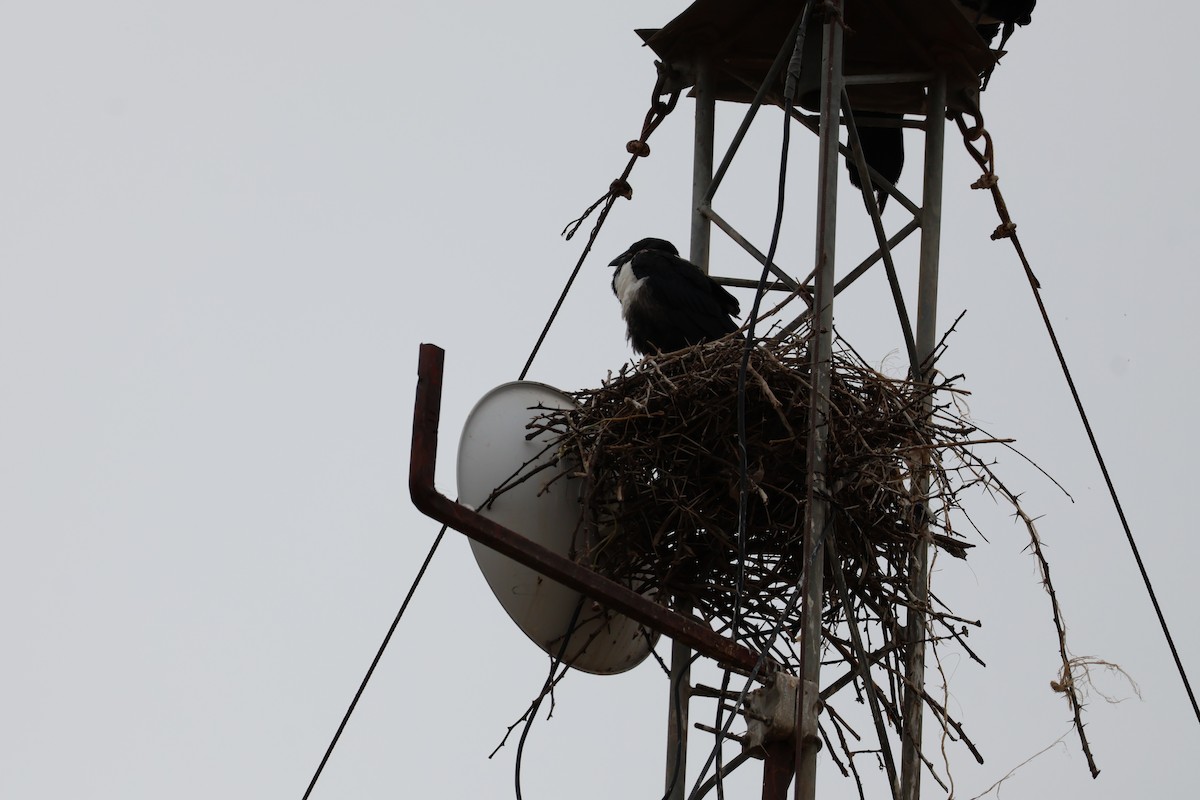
668 302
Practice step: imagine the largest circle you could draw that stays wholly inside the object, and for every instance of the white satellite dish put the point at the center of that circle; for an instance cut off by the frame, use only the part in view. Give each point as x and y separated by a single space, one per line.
496 449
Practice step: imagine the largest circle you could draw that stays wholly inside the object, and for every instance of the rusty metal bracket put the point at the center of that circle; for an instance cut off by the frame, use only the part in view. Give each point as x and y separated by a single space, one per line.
771 712
432 503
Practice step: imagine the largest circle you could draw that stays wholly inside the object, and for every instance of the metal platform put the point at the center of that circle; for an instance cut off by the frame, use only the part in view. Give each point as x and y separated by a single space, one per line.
739 40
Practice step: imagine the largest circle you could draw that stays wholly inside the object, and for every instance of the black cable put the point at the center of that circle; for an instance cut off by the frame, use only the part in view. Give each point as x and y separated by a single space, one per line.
751 111
743 455
548 687
570 282
370 670
762 658
676 717
760 291
1112 491
1008 229
524 371
659 109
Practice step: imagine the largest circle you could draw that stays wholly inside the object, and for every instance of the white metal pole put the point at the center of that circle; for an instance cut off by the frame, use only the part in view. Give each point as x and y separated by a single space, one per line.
808 742
913 703
681 656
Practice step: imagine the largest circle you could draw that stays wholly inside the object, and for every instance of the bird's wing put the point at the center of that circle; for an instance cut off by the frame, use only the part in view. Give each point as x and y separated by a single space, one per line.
697 306
706 286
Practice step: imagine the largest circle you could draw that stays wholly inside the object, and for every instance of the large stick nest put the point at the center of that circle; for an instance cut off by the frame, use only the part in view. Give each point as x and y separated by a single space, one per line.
666 492
673 507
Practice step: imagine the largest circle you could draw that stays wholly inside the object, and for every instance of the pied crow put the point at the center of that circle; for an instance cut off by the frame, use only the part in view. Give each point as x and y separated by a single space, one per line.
669 303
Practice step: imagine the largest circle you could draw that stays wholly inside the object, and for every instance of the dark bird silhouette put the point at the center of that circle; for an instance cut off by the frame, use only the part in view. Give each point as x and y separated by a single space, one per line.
883 150
989 16
668 302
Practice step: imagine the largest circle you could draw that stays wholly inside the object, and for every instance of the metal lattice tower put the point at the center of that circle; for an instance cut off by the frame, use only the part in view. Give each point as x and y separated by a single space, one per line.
921 60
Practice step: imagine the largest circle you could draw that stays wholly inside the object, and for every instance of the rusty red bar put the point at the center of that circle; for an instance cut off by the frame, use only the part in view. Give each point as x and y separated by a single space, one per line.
778 769
434 504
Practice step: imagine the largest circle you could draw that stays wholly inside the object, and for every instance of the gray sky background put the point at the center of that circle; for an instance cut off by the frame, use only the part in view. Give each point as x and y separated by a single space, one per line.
226 228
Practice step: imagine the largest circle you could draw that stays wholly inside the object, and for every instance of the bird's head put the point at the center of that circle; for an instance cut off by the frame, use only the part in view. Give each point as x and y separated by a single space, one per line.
661 245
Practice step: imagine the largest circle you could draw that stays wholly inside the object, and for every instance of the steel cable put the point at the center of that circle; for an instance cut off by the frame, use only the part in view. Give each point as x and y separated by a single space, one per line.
1008 230
375 662
659 109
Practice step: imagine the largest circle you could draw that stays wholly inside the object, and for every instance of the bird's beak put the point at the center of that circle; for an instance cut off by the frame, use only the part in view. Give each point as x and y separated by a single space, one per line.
621 259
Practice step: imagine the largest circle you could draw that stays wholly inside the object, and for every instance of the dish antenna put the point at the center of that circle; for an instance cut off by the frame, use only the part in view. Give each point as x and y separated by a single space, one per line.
497 450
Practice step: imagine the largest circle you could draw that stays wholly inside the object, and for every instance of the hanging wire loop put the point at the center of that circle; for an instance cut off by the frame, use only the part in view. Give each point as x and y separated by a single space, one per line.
662 102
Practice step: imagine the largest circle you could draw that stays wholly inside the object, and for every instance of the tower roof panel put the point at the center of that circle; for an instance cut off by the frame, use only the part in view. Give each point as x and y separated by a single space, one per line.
882 37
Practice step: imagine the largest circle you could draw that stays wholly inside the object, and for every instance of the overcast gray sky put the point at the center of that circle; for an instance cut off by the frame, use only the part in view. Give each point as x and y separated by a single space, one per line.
226 228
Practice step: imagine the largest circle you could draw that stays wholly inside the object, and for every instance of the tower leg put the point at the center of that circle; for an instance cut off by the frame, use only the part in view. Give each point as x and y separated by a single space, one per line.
681 656
913 705
817 521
